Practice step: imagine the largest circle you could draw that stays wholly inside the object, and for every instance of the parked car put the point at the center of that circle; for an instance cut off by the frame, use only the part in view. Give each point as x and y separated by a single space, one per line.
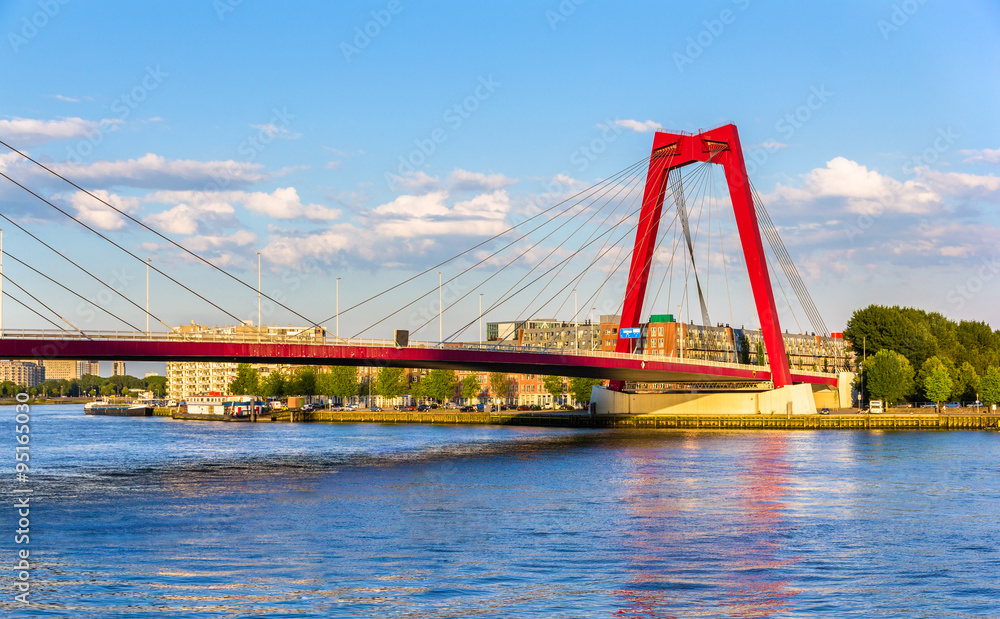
524 407
952 405
376 409
422 408
824 411
468 409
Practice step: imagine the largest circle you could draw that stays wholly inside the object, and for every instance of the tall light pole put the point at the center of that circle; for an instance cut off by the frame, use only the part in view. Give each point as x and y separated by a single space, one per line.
440 313
593 342
576 325
258 298
147 296
338 308
680 330
480 318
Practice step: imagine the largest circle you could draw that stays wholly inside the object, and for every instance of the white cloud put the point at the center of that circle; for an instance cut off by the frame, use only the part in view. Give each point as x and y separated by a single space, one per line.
639 126
21 132
156 171
985 155
200 207
971 186
92 212
860 190
274 131
464 180
398 231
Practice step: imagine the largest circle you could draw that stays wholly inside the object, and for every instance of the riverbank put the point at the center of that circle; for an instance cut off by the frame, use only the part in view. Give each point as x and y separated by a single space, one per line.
582 419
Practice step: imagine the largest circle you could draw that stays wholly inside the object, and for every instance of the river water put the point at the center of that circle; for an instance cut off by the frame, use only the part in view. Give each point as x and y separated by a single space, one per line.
152 517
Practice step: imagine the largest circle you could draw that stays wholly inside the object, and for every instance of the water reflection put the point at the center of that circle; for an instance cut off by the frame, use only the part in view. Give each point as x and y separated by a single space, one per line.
705 535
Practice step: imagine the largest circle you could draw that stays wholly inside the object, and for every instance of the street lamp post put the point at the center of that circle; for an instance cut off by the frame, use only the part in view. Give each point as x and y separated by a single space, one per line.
1 282
338 308
147 296
680 330
480 318
440 313
258 296
576 325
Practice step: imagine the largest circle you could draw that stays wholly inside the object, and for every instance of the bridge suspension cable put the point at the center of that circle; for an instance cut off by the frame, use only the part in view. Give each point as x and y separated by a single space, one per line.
609 182
153 231
71 261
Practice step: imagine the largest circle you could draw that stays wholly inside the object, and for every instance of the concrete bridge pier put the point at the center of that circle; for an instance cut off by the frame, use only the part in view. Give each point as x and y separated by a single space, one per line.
789 400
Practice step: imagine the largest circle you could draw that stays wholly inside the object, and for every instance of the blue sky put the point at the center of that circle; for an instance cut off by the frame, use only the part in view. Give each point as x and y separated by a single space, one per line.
238 127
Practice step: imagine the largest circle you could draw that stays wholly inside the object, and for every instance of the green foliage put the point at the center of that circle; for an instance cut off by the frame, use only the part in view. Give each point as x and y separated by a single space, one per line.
303 382
418 389
500 385
761 353
247 381
554 385
966 383
390 382
936 381
580 388
743 349
471 386
156 384
989 386
341 381
920 335
274 386
108 389
440 384
888 376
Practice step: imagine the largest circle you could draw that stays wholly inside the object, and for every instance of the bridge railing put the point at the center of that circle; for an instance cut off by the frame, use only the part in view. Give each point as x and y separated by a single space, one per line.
312 339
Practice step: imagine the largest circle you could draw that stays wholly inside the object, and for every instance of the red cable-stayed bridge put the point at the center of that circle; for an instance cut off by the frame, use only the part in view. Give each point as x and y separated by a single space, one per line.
660 179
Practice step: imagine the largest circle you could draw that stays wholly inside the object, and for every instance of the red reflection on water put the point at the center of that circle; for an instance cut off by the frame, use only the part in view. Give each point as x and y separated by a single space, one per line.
744 582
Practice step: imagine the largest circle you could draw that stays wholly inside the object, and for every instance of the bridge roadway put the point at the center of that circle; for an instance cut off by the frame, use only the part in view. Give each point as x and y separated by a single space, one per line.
310 350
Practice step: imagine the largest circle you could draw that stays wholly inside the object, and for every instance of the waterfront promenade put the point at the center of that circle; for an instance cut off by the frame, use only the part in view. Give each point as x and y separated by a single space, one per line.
582 419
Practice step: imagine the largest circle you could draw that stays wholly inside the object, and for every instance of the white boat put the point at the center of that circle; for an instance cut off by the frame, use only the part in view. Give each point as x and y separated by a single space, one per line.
218 407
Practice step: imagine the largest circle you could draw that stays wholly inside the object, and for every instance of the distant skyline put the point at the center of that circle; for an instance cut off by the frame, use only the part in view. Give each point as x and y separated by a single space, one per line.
366 141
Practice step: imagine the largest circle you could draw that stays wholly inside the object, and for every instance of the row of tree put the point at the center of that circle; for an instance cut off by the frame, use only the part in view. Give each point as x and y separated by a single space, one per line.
920 335
89 384
910 354
345 382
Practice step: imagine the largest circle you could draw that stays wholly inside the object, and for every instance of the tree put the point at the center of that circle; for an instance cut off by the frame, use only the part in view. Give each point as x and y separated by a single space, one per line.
989 386
888 376
500 385
156 384
761 353
937 383
418 388
743 348
440 384
471 386
107 389
581 388
554 385
342 381
390 382
966 383
274 386
247 381
303 382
